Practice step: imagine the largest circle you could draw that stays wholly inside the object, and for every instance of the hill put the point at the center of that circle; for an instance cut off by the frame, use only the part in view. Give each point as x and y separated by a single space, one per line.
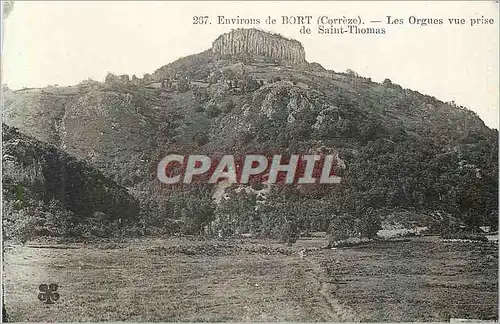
403 156
46 192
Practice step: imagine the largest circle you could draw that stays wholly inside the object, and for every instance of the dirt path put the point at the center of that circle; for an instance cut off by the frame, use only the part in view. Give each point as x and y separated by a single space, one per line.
336 311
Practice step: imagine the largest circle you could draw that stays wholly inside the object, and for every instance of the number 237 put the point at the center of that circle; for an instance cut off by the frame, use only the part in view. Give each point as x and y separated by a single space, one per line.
197 20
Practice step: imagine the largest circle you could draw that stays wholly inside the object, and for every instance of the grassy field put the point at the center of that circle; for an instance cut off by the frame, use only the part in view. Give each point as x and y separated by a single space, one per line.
422 279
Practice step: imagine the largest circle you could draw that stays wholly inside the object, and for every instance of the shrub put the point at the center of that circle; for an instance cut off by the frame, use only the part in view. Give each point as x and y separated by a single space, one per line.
211 110
276 79
369 224
183 85
201 138
352 73
341 228
227 106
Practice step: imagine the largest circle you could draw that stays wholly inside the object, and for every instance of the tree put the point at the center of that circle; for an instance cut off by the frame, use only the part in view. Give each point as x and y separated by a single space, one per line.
193 208
214 77
237 214
352 73
201 138
369 223
212 110
290 231
111 78
341 227
183 84
248 84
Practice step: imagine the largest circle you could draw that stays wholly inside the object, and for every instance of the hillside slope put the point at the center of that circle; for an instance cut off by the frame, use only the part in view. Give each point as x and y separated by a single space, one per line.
400 150
47 192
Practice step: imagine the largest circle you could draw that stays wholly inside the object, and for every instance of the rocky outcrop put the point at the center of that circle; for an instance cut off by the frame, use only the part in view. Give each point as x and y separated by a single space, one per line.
257 42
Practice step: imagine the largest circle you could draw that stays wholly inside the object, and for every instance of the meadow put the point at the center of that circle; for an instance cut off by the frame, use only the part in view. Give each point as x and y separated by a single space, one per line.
182 279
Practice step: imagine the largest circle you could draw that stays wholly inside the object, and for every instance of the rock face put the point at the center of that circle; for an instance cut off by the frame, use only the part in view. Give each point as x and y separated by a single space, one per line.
257 42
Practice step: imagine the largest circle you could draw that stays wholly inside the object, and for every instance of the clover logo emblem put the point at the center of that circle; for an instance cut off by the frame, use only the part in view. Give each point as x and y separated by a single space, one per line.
48 293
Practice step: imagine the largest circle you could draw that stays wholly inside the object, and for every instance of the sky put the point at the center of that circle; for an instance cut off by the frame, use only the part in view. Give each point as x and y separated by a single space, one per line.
65 42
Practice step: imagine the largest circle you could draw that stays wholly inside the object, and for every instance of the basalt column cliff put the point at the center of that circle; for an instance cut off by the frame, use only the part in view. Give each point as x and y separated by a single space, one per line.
257 42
